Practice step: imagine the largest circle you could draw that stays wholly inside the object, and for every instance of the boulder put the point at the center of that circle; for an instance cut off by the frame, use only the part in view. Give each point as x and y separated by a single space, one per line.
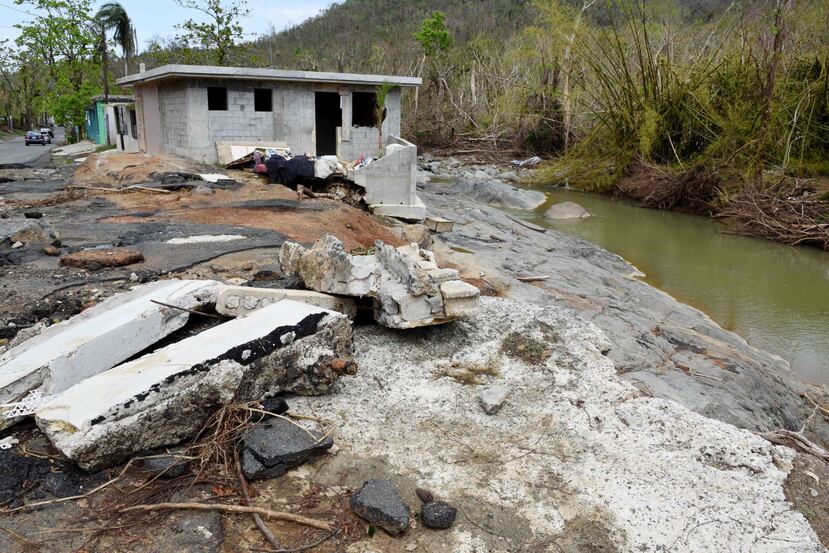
270 448
379 503
566 210
203 190
166 396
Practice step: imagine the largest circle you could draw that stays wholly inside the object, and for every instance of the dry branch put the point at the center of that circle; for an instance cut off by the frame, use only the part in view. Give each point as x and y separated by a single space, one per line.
268 513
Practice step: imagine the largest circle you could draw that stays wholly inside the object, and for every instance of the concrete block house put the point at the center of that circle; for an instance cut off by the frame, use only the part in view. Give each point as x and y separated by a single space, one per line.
189 110
113 121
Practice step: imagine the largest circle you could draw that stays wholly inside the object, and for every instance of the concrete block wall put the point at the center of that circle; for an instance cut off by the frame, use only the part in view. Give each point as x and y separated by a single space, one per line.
364 141
241 121
392 179
173 108
191 130
295 124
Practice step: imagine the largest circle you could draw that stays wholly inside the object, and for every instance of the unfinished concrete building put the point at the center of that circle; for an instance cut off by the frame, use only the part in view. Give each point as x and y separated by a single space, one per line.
203 112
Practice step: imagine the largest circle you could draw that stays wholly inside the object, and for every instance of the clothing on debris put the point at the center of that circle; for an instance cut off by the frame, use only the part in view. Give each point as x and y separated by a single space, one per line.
289 171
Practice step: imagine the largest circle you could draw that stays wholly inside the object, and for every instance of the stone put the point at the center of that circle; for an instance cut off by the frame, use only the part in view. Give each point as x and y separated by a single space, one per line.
438 515
203 190
51 250
27 231
99 338
566 210
100 258
167 467
275 405
493 398
379 503
166 396
270 448
417 234
405 282
239 300
32 214
17 245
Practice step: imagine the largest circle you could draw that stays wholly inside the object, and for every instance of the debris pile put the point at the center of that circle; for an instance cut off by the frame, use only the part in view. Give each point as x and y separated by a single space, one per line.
406 285
166 396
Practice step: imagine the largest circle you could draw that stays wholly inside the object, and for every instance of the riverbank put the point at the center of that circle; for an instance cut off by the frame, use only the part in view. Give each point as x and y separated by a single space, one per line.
668 348
793 211
596 445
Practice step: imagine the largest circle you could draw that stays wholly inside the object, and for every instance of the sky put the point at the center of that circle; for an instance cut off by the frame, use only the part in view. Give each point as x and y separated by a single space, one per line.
159 17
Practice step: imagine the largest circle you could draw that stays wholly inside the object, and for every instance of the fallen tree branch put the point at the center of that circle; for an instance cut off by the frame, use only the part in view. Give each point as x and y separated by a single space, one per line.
257 518
796 441
239 509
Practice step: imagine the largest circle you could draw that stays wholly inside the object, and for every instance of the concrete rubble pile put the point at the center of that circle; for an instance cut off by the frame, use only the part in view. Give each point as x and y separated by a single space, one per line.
407 287
166 396
101 393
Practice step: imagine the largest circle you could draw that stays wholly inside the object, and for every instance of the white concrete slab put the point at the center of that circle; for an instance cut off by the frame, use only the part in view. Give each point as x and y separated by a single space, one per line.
166 396
78 406
100 337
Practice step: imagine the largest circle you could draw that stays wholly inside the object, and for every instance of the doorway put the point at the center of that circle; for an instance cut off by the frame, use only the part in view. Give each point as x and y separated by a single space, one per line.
328 117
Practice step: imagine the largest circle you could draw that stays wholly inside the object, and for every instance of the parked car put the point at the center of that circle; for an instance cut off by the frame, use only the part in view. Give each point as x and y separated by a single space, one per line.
47 130
35 137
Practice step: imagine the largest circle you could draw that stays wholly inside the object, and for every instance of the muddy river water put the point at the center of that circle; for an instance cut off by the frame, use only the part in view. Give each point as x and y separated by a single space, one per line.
774 296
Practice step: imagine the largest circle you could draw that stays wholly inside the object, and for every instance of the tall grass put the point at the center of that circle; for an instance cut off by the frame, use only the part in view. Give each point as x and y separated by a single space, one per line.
729 102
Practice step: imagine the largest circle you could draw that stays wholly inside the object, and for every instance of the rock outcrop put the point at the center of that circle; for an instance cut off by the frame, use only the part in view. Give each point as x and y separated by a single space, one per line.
407 286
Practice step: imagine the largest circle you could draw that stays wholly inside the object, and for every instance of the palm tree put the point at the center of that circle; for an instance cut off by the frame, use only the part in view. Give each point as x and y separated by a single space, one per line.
113 16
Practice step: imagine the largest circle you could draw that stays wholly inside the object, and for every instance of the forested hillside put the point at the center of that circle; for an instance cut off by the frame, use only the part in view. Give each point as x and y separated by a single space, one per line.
685 104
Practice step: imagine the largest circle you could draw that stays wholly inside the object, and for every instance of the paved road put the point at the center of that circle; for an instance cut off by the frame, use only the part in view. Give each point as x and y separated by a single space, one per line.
16 151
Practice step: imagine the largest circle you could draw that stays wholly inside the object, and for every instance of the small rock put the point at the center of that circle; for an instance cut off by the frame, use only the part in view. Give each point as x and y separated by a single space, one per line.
203 190
492 399
418 234
438 515
17 244
566 210
271 448
51 250
167 466
379 503
426 496
275 405
33 214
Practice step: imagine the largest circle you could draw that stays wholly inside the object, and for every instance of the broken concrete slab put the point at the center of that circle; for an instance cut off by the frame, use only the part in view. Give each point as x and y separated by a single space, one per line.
269 449
327 267
379 503
166 396
99 338
101 257
235 301
406 283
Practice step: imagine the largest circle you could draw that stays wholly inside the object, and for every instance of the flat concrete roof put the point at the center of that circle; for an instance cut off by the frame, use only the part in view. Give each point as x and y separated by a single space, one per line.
263 74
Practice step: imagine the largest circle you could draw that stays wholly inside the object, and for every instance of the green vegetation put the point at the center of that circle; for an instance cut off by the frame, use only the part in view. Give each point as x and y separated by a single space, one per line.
104 148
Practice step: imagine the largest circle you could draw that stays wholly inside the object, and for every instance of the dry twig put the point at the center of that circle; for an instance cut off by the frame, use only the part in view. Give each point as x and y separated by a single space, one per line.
268 513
